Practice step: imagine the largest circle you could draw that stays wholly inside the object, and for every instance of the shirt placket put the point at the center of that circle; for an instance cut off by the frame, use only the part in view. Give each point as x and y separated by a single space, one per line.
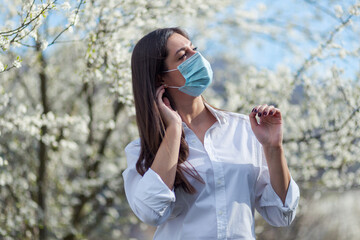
219 182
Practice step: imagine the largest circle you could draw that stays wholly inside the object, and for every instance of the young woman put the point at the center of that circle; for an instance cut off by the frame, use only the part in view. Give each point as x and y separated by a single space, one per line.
197 172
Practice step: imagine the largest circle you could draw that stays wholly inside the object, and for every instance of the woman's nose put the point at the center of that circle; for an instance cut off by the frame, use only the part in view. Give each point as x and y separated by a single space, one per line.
191 51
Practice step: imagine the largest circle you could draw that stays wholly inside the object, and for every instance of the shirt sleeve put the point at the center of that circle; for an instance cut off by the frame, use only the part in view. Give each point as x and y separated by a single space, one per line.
268 203
149 197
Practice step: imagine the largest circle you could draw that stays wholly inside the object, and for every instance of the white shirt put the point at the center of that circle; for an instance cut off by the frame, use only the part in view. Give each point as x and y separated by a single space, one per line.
234 168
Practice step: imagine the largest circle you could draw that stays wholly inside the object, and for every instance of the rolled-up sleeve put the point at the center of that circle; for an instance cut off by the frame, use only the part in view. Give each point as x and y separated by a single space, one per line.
269 204
148 196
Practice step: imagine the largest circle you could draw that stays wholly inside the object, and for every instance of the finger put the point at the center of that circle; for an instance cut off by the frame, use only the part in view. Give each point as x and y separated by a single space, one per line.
261 109
277 112
269 110
272 110
252 117
167 102
158 90
253 112
159 95
256 109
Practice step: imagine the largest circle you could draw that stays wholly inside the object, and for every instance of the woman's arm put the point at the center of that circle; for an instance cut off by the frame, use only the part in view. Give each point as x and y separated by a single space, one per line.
151 196
167 156
269 133
148 196
278 169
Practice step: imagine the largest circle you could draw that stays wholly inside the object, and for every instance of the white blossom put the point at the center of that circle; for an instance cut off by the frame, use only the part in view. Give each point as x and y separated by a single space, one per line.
17 63
44 45
338 10
3 162
4 42
87 73
342 53
354 10
65 6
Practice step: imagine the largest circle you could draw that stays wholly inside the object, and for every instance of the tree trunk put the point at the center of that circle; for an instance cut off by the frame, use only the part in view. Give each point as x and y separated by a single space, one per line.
42 154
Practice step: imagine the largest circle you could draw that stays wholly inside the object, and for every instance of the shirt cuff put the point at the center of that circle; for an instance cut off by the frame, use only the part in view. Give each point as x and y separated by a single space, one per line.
270 198
154 193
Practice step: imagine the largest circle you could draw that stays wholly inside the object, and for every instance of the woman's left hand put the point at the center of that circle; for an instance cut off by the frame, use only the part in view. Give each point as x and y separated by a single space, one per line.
268 130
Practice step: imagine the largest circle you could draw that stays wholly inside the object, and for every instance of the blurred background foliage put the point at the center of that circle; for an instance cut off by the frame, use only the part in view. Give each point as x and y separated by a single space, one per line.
66 107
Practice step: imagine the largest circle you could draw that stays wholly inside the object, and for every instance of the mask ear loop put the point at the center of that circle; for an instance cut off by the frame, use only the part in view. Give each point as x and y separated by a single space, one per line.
166 86
171 70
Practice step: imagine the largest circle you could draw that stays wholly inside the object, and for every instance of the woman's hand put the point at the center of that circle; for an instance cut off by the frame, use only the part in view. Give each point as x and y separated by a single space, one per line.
268 130
269 133
168 114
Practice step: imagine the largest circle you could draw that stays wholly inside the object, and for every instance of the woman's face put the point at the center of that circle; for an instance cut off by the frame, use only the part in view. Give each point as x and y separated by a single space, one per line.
179 50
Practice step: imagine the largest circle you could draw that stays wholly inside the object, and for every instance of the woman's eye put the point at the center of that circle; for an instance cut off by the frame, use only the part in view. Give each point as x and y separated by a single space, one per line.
180 58
184 55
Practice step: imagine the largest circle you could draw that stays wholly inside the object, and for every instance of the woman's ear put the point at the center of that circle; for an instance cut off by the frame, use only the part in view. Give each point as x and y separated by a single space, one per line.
159 81
168 96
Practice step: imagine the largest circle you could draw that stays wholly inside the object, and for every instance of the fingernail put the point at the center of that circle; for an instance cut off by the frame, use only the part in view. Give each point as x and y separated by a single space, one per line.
265 113
271 113
259 114
255 110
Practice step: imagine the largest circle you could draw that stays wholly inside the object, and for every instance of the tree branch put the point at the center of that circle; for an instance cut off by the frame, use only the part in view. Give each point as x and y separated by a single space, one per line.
71 24
24 25
324 10
321 132
92 170
304 66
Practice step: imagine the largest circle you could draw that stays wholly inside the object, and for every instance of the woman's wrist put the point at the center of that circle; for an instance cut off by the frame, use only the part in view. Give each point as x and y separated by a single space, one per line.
273 148
174 127
274 154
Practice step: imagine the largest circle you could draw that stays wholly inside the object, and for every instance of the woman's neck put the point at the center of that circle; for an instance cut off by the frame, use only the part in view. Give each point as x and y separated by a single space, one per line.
196 116
191 110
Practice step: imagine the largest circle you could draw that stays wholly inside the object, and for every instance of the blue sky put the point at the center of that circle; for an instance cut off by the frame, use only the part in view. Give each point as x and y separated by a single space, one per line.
263 52
260 50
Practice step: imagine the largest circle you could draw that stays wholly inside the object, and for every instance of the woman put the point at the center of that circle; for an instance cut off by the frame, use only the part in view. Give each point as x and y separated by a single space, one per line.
197 172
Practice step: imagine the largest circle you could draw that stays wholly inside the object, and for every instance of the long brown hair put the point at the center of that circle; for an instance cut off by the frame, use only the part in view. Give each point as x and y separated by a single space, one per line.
147 66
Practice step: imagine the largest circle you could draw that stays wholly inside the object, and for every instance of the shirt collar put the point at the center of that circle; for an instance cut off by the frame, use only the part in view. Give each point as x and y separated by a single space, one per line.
220 115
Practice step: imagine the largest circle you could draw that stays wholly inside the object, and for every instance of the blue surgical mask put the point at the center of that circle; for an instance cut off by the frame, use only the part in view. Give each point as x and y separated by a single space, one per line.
198 75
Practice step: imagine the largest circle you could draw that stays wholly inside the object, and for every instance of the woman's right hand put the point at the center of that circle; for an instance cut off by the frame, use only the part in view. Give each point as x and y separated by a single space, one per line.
168 114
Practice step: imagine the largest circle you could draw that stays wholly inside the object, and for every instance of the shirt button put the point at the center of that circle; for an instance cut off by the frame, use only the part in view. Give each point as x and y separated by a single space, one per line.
220 213
218 182
193 141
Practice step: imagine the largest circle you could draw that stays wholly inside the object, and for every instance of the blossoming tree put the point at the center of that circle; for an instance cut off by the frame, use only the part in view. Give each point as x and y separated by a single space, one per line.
66 113
66 110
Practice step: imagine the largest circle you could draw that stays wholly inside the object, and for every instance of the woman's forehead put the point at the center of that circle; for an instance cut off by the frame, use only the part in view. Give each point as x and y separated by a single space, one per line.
176 42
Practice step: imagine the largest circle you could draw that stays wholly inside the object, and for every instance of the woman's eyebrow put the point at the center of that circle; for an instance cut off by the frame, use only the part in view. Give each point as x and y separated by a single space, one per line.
181 49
